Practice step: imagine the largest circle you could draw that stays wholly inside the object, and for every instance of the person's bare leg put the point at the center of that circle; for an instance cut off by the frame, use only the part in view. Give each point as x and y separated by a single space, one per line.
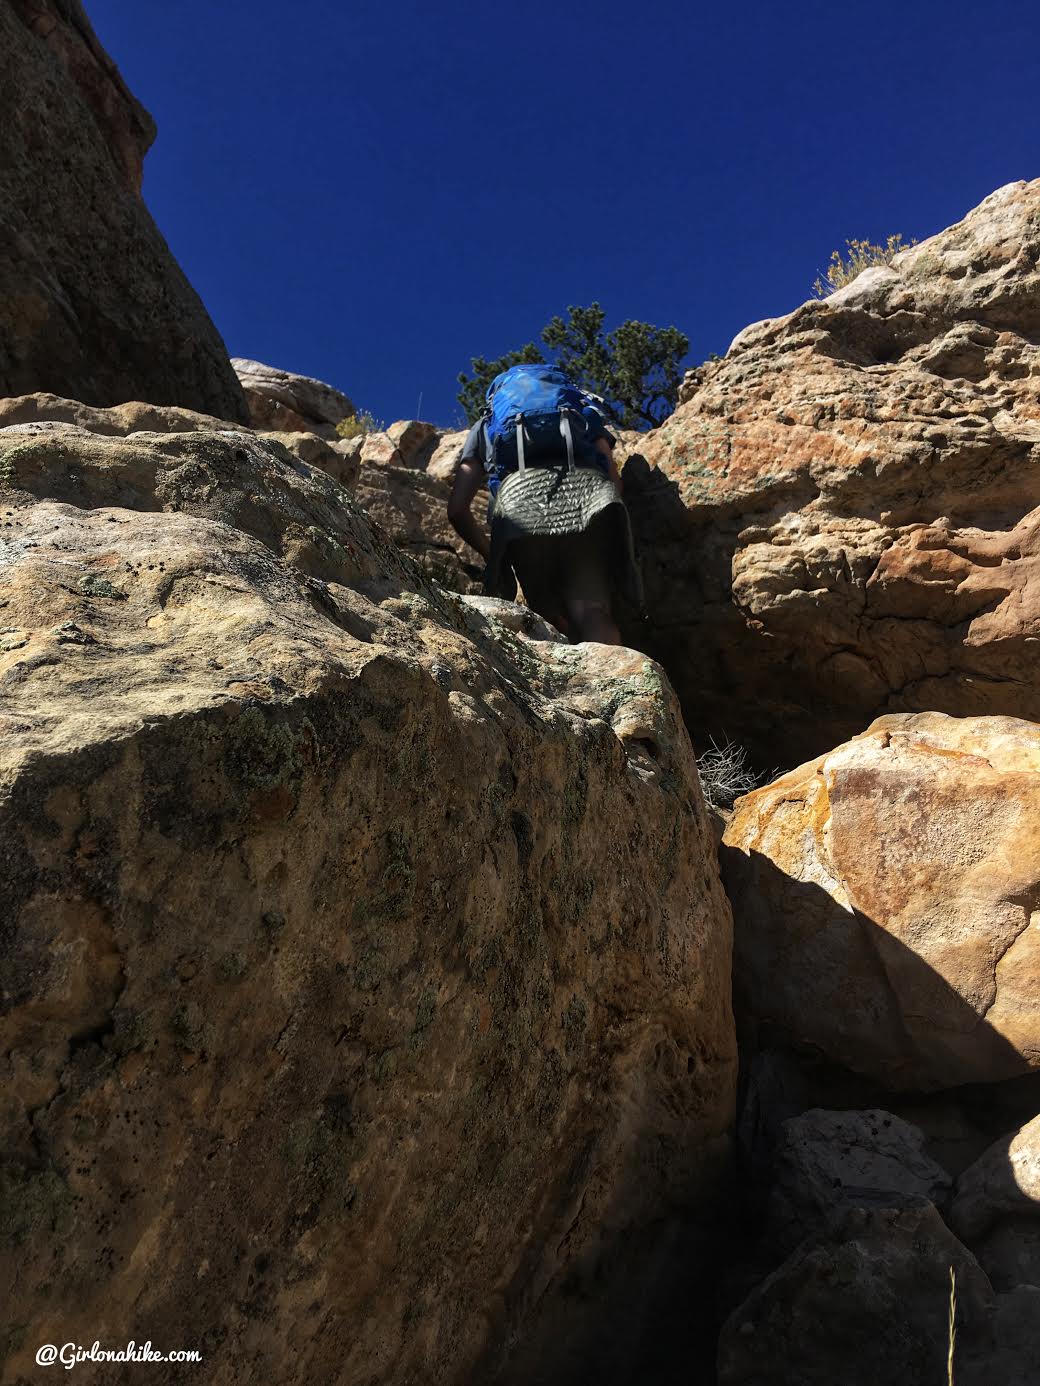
587 587
592 620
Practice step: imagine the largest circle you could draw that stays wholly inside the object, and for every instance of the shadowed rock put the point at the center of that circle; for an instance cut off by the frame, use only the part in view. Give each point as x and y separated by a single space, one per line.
92 304
885 898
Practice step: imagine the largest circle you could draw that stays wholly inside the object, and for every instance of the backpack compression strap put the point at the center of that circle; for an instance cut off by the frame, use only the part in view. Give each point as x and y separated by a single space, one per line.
520 442
568 435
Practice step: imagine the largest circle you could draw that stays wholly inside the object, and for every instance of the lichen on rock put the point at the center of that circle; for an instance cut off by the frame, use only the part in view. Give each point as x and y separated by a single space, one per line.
367 985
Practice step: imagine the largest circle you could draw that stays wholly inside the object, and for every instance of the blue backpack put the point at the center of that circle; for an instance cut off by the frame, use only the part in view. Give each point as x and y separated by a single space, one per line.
535 415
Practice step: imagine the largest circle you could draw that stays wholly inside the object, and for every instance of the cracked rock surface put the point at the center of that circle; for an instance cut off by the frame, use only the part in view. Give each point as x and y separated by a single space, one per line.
365 970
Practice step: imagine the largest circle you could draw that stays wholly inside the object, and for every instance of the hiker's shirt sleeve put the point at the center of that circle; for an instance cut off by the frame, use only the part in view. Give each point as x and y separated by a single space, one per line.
474 449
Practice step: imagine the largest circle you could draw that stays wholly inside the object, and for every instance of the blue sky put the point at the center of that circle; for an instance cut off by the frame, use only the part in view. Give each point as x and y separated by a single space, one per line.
372 193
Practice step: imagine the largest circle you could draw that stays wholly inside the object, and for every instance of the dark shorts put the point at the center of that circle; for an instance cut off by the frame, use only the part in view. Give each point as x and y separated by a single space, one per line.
558 570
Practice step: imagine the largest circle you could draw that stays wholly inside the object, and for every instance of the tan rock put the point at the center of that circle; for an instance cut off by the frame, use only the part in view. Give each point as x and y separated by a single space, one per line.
283 402
415 441
445 459
332 1029
92 304
884 900
843 516
412 507
339 459
132 417
379 449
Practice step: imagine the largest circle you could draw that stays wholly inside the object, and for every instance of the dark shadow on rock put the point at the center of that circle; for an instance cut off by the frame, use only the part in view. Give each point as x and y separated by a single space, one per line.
863 1024
729 675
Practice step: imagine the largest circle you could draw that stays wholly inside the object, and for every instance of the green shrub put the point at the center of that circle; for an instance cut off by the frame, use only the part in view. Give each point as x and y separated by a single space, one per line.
636 369
858 256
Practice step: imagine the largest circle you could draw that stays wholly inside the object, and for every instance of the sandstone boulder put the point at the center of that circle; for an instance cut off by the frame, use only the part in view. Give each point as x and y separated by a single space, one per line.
884 898
282 402
92 303
445 457
415 441
842 518
331 1027
379 448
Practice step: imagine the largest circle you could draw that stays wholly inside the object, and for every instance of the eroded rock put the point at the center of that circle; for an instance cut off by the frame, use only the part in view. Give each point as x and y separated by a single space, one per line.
868 1303
366 993
412 506
842 518
283 402
828 1160
337 458
996 1210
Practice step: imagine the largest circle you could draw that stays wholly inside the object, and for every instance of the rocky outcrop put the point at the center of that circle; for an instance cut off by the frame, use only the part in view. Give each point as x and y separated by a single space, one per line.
123 420
331 1027
415 441
281 402
842 516
92 304
868 1302
445 458
826 1158
885 900
412 506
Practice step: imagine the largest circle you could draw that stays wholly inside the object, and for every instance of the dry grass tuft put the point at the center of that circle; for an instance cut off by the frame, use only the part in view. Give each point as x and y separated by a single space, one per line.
726 774
858 256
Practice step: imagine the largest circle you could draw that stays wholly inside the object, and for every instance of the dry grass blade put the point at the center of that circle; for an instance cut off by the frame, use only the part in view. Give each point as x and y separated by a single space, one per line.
726 774
953 1326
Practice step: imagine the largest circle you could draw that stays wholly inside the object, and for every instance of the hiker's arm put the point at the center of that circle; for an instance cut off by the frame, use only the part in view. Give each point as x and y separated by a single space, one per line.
606 447
468 480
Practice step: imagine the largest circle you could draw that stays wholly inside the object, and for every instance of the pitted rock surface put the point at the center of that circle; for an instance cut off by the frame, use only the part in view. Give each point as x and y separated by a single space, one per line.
842 518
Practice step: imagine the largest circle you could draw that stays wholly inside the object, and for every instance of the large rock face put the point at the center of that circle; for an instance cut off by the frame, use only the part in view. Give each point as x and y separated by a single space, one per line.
885 899
841 518
92 304
365 965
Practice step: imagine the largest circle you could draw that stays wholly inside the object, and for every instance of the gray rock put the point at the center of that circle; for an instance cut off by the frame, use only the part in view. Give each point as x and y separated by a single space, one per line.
866 1305
1004 1181
831 1160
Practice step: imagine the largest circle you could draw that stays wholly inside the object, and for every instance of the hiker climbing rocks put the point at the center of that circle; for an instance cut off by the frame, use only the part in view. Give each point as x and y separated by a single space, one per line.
559 527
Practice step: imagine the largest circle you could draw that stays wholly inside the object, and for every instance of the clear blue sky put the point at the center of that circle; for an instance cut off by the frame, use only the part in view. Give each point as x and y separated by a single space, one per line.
373 192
